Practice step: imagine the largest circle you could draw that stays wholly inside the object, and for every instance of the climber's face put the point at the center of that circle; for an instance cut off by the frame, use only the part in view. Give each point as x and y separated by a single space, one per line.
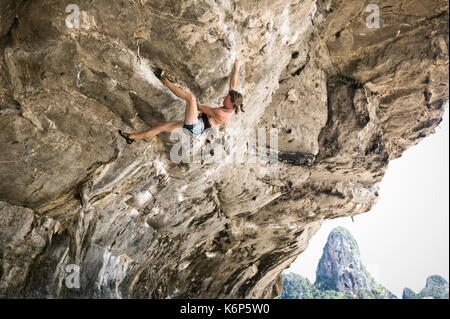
227 102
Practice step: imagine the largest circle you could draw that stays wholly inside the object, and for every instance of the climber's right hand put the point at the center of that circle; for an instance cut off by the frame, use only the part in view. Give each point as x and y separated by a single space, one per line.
160 74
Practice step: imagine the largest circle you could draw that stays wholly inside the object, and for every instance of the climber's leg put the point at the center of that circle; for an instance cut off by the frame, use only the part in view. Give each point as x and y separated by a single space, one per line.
161 127
191 113
176 90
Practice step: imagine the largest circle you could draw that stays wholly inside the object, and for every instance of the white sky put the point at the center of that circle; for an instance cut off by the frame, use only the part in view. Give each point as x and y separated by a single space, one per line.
404 238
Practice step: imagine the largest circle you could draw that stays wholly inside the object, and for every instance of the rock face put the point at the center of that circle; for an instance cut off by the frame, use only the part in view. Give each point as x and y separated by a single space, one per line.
408 294
340 268
345 98
436 288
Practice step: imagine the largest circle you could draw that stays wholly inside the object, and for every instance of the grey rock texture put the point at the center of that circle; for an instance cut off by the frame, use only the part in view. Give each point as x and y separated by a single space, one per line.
347 99
436 287
409 294
340 268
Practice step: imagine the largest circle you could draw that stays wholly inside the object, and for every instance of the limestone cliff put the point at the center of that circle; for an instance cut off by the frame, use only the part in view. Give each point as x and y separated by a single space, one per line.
340 268
436 287
340 274
345 96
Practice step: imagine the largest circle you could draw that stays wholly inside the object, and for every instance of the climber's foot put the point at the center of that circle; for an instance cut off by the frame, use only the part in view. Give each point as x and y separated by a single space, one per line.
160 74
127 137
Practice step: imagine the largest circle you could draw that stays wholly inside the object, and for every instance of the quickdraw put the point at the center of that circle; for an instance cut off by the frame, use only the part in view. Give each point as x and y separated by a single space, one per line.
25 153
138 55
78 69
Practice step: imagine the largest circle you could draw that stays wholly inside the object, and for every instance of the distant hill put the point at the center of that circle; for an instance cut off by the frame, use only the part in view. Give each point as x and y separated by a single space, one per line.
436 287
340 274
299 287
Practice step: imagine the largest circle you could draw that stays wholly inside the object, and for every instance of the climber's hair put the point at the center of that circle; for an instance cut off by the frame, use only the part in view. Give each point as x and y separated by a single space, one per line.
237 100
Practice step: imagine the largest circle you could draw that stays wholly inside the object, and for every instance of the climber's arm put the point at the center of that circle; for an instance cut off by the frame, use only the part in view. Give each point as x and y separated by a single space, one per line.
206 109
234 76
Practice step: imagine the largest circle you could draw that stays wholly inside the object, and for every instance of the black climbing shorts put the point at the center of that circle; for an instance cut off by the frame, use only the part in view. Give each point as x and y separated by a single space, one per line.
198 126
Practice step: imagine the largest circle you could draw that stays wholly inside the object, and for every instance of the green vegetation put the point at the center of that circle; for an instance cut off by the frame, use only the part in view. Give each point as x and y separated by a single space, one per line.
437 287
347 236
324 283
299 287
377 291
340 269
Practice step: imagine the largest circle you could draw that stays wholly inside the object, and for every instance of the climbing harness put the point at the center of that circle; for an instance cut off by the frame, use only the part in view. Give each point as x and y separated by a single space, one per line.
138 55
78 69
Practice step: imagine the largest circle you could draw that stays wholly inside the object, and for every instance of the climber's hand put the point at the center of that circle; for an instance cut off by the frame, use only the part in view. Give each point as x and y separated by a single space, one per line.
236 62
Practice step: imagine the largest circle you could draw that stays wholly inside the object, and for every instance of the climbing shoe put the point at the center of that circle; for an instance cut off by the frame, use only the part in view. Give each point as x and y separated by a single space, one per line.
127 137
160 74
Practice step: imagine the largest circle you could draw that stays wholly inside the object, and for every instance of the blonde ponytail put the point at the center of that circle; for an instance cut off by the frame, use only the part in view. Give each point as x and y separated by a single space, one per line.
237 99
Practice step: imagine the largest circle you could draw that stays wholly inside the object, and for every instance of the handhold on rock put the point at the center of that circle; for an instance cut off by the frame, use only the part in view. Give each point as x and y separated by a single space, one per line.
160 74
126 136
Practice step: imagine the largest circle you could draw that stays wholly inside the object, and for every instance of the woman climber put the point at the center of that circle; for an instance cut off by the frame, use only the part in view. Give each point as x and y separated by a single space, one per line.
197 117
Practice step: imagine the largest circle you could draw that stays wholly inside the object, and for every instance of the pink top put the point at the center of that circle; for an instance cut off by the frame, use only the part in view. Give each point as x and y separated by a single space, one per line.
221 115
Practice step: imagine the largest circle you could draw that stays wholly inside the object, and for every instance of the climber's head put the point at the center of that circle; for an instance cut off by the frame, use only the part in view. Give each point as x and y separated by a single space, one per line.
234 100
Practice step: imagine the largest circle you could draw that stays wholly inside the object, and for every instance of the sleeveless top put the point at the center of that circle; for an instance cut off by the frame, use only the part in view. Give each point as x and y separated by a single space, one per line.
222 115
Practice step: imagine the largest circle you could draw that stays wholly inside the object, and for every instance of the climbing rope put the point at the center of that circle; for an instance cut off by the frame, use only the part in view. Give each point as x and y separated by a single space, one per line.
25 153
169 17
148 11
144 13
